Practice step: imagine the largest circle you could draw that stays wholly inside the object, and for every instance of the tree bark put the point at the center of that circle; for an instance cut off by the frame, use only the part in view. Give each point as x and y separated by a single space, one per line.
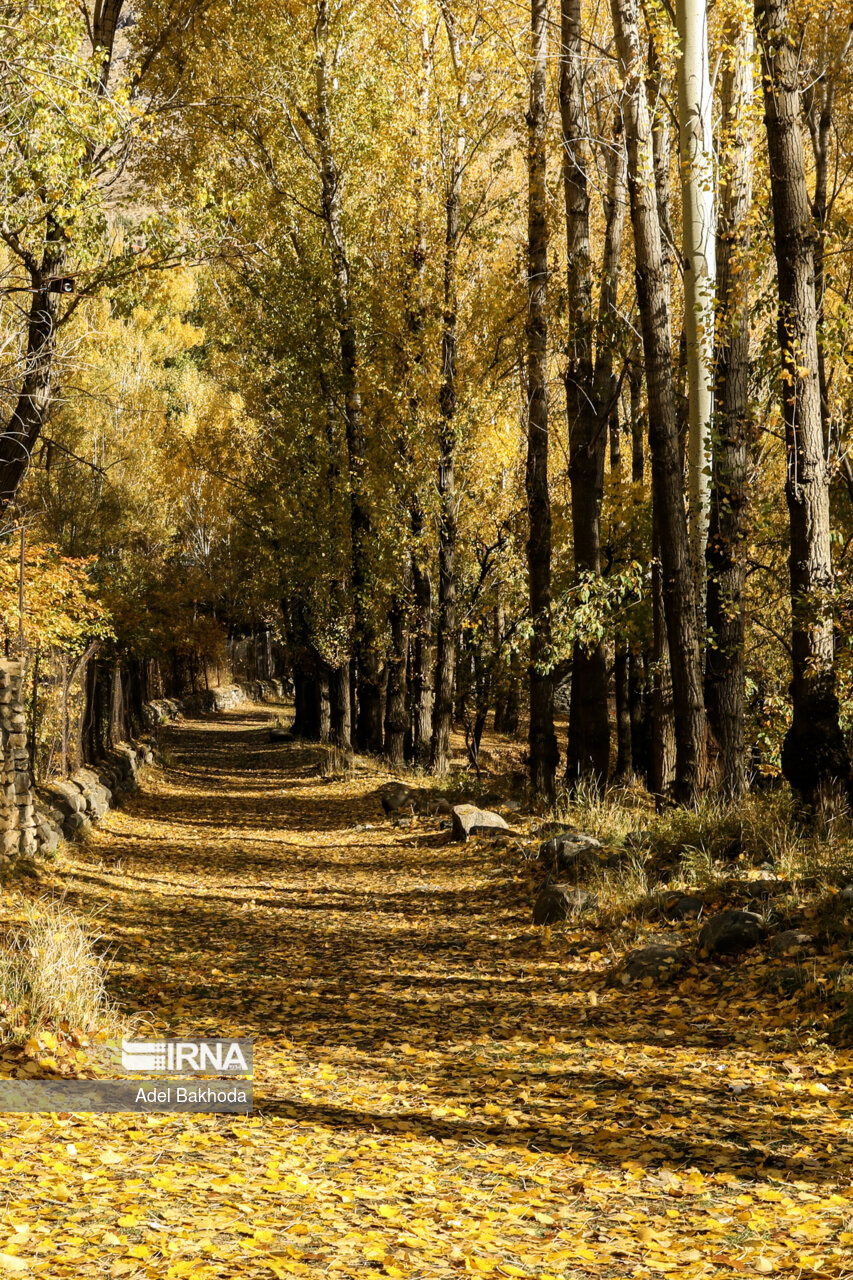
341 727
366 642
446 629
422 657
726 560
542 739
24 426
662 727
819 100
588 753
667 483
814 755
396 702
697 187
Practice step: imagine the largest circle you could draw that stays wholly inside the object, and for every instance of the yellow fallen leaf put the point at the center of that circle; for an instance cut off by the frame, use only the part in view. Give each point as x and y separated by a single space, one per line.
8 1262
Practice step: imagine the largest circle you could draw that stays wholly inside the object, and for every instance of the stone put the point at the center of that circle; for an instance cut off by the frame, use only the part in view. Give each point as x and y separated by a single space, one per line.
395 797
790 943
683 908
75 824
442 807
655 964
557 901
66 797
97 803
468 820
574 852
49 841
730 932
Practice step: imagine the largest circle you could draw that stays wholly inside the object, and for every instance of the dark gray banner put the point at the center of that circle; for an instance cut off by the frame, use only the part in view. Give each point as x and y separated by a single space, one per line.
227 1096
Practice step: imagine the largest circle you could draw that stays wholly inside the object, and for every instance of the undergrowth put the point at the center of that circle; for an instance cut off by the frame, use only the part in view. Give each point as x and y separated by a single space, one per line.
51 974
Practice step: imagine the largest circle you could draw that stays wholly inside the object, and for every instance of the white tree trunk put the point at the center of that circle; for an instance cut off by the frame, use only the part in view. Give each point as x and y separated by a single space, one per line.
699 246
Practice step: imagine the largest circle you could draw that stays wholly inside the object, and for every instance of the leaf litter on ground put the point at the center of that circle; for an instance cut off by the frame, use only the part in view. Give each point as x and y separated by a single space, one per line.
441 1089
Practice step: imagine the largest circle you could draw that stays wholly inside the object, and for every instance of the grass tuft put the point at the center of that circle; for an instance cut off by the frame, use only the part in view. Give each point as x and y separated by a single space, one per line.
50 974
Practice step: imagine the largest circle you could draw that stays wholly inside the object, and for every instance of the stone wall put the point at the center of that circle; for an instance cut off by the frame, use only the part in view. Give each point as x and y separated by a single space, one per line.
36 820
17 814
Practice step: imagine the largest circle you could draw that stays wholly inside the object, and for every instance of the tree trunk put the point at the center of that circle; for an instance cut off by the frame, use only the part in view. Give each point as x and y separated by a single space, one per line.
324 706
396 703
667 483
366 641
697 187
819 99
341 727
814 755
446 630
542 739
661 729
24 426
588 753
724 666
422 659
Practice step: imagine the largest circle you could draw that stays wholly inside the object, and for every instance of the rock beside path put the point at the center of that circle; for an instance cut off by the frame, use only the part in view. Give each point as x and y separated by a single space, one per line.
792 942
730 933
556 902
655 964
468 820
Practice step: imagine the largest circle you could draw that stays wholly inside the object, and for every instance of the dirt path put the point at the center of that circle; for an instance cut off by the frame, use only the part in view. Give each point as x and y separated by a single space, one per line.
442 1092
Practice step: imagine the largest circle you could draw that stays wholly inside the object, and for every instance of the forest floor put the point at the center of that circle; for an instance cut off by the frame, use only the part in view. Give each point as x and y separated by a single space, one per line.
441 1088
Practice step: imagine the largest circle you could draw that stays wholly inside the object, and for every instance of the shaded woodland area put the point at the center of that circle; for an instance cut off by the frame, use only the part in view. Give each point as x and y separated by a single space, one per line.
462 363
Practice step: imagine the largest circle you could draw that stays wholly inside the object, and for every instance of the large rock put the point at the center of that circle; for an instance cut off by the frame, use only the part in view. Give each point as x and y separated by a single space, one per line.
575 853
468 820
730 933
682 907
656 964
397 796
557 901
66 797
75 824
793 942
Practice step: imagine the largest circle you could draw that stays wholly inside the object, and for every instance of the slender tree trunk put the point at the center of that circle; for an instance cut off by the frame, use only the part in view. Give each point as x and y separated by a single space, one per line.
819 99
421 683
588 754
662 729
422 657
814 756
24 426
724 667
542 739
396 703
667 483
446 630
340 711
366 641
324 706
697 187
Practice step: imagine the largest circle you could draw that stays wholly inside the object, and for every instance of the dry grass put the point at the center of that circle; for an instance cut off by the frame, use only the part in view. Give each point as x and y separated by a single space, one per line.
51 974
